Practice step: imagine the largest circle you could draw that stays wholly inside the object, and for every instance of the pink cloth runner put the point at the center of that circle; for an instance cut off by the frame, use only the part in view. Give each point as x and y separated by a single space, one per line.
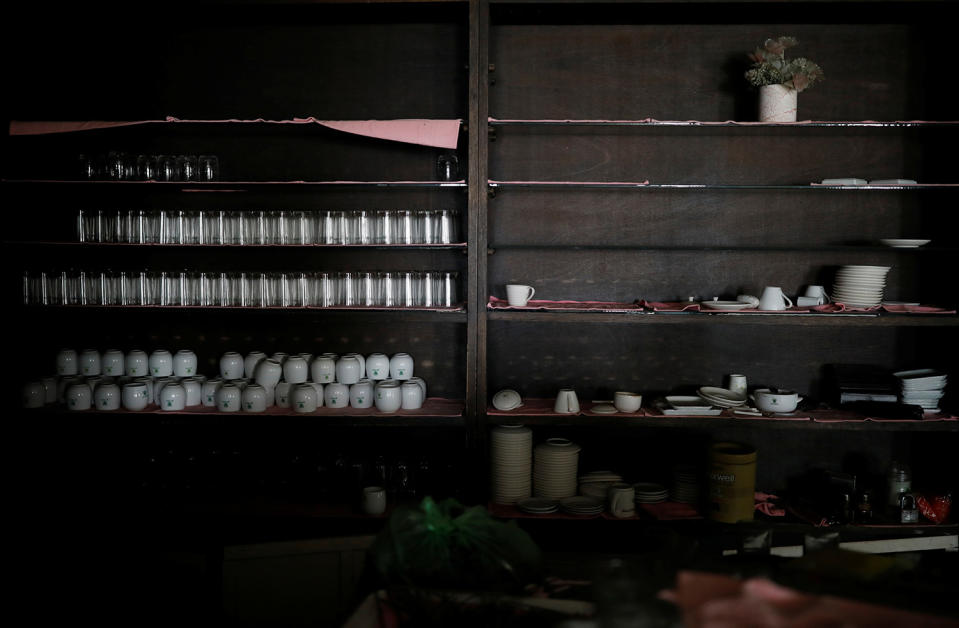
677 306
544 407
669 511
438 133
571 306
722 122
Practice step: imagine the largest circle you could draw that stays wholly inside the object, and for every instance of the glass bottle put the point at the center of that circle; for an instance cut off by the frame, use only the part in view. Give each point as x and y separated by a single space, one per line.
900 481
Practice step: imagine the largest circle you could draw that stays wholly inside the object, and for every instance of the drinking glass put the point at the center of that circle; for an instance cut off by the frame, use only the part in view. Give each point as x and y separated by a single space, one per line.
167 169
383 230
106 226
186 167
147 168
208 168
403 227
87 226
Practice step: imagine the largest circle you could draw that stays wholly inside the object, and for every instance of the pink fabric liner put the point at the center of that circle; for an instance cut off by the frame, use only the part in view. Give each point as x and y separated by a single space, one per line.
624 183
581 306
726 122
458 183
432 407
438 133
496 303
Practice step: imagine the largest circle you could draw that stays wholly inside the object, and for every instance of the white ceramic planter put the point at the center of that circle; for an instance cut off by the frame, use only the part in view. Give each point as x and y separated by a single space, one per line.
778 103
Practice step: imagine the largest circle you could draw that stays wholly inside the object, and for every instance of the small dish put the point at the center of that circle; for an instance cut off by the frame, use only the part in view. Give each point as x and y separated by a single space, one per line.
845 181
904 243
604 408
893 182
687 401
726 306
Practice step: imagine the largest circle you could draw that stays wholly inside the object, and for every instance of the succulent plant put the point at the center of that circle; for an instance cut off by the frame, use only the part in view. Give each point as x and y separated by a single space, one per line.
770 66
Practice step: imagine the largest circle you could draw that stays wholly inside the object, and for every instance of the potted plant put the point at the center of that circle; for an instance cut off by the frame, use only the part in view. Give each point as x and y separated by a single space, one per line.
779 79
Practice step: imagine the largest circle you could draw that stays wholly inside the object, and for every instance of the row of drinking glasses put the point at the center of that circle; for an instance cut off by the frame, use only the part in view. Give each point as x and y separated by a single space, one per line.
121 166
402 289
268 227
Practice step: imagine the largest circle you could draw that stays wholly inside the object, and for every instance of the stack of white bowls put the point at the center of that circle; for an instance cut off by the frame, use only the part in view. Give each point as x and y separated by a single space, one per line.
555 465
922 387
860 286
511 456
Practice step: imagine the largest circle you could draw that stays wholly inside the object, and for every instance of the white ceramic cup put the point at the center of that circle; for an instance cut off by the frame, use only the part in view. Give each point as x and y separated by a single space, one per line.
361 394
172 397
250 362
194 391
566 402
306 356
150 385
184 363
377 366
374 500
50 389
268 373
737 384
158 385
228 398
336 395
137 363
412 396
621 498
389 396
319 393
323 370
401 366
134 396
161 363
348 370
254 398
33 395
93 382
773 299
113 363
89 362
304 398
79 396
626 401
519 295
296 370
422 384
107 397
280 357
282 396
231 365
67 362
209 391
817 292
359 358
65 382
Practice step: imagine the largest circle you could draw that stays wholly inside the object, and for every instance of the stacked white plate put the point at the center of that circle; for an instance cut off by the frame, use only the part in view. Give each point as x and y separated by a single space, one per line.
922 387
579 505
555 465
596 484
687 405
860 286
511 457
721 397
649 493
538 505
685 486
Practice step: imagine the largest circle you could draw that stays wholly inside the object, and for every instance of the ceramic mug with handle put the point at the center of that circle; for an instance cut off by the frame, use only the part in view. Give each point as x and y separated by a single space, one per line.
774 300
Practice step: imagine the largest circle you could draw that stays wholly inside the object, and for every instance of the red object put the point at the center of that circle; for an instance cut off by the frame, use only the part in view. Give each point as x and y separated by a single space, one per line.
935 508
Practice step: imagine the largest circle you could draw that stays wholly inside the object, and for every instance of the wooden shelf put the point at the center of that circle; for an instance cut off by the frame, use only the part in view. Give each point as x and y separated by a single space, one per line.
641 185
805 124
730 318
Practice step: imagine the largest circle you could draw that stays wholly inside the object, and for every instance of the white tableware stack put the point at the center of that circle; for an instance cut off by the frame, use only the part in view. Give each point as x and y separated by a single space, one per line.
860 286
722 397
922 387
596 484
555 465
685 485
511 457
650 493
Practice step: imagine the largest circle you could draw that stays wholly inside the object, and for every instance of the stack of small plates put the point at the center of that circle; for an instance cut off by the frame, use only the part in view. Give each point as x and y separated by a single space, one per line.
582 505
685 486
596 484
649 493
554 468
860 286
538 505
511 455
922 387
689 405
722 397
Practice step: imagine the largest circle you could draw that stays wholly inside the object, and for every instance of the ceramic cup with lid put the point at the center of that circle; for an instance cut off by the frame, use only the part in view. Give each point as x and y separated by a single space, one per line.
67 362
231 365
304 398
389 396
296 370
90 362
134 396
79 397
336 395
250 361
161 363
172 397
228 398
184 363
137 363
361 394
194 391
282 394
107 397
323 369
377 366
401 366
348 370
268 373
254 398
33 395
412 396
113 363
208 395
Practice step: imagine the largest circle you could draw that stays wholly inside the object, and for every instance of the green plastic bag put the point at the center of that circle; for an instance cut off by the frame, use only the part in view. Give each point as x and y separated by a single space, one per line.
447 545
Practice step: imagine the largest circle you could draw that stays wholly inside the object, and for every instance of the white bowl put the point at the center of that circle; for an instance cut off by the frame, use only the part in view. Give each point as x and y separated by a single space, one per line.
507 399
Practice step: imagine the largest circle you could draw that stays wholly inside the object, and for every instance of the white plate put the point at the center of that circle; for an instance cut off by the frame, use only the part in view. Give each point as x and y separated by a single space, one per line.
687 401
893 182
726 306
692 412
844 181
904 243
604 408
721 393
507 399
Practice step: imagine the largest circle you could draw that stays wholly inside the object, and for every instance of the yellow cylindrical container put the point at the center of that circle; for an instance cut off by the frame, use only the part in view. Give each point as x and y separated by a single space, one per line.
732 482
